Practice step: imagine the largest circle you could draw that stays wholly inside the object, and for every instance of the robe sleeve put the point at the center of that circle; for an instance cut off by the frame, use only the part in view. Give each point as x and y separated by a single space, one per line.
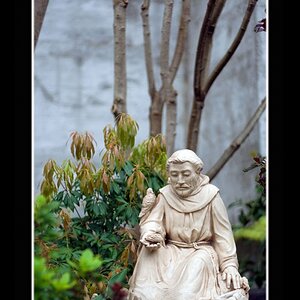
154 221
223 241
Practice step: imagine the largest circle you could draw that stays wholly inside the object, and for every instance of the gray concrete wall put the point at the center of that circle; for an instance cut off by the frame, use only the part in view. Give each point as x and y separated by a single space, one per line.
73 86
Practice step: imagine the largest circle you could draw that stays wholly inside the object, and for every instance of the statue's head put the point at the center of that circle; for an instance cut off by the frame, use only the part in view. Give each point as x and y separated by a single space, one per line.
184 167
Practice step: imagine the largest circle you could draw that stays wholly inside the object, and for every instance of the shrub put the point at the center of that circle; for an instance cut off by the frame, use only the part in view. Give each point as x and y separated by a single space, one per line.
86 222
250 234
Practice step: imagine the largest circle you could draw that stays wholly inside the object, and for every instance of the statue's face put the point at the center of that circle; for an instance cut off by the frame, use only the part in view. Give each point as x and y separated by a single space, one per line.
183 178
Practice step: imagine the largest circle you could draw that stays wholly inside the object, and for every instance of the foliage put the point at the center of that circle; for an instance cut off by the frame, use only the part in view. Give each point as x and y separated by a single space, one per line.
256 231
252 228
259 162
60 272
86 221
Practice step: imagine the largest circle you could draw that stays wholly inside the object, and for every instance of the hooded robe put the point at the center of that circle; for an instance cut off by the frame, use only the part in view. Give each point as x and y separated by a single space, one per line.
198 246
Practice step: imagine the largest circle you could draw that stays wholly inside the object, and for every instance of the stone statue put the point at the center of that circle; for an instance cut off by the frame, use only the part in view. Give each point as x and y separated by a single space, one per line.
188 250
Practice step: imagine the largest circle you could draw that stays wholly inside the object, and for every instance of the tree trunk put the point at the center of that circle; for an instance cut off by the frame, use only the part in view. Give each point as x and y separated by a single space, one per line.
166 94
120 81
201 70
194 124
171 121
155 114
40 7
165 73
203 82
186 86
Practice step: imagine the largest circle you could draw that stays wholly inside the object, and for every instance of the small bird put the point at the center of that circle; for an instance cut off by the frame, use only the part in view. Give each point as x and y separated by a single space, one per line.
148 203
153 240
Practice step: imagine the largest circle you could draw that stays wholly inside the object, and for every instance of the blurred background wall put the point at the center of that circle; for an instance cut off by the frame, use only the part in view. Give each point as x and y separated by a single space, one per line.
73 84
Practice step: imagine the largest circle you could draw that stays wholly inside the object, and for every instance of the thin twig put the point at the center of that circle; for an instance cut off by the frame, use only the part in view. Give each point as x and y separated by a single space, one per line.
40 7
165 45
214 74
199 67
181 38
78 214
236 143
147 47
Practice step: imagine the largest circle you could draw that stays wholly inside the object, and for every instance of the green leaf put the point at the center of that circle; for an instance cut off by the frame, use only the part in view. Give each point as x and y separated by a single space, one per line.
59 196
135 216
107 246
121 208
40 201
257 231
156 184
72 264
63 283
114 253
128 212
128 168
88 262
96 209
118 277
115 187
120 199
102 208
42 276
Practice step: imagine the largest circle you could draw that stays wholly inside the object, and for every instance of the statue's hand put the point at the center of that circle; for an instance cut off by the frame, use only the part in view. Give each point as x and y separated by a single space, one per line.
231 274
152 240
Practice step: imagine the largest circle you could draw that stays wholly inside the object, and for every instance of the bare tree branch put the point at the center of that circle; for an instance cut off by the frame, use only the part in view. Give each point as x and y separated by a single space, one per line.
120 81
181 38
171 121
202 84
167 97
147 47
165 43
40 7
186 84
234 146
216 12
155 112
232 48
207 45
166 93
48 96
201 68
203 57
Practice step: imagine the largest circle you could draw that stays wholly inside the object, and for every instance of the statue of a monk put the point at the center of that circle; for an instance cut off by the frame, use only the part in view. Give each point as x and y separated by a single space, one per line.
188 247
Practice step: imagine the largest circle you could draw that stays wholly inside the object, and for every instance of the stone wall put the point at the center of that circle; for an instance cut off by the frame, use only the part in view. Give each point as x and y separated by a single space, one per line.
73 84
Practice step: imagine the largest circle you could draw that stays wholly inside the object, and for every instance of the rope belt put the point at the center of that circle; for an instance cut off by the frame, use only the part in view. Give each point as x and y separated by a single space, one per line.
196 245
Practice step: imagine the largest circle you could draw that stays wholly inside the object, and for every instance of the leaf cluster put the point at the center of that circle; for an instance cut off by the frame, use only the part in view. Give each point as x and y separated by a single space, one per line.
251 230
96 209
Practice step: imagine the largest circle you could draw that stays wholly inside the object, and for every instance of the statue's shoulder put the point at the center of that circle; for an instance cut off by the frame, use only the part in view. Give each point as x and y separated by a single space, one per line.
164 189
211 189
164 194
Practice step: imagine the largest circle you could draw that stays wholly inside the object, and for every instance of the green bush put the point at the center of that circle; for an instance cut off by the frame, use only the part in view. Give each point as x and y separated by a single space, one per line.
86 222
250 233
